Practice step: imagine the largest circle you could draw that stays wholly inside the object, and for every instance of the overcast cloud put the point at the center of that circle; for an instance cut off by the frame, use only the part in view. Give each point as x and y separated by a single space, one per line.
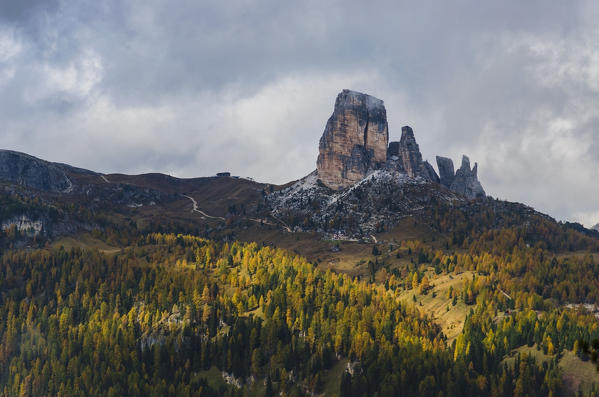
190 88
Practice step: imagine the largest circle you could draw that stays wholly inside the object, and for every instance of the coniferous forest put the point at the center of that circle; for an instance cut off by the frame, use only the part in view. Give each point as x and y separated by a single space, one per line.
166 314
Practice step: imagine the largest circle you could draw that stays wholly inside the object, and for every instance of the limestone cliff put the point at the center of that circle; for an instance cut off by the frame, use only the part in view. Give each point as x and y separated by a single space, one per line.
354 141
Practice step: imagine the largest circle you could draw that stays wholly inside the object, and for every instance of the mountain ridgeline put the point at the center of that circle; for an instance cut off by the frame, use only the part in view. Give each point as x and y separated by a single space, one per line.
363 185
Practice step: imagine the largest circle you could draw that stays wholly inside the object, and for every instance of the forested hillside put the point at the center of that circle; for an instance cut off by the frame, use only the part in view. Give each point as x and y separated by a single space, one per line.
166 314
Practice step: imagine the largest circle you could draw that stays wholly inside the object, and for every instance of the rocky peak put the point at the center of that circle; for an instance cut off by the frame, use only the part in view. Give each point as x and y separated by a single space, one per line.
465 164
446 171
409 152
354 141
466 180
406 157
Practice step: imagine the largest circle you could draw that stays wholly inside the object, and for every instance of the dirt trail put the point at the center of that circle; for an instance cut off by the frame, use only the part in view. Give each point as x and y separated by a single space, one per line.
257 220
196 209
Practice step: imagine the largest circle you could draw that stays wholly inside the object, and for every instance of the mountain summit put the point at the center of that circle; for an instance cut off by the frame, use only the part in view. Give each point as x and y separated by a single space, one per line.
355 143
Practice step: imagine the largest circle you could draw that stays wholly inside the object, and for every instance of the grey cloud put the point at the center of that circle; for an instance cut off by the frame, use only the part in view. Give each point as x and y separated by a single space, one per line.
19 11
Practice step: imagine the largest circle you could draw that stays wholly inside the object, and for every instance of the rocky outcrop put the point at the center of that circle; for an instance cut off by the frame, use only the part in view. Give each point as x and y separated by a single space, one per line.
354 144
446 171
406 157
376 203
466 181
409 152
23 224
32 172
354 141
428 172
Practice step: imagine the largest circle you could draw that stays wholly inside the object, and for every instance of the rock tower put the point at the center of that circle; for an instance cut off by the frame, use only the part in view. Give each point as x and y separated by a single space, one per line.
354 141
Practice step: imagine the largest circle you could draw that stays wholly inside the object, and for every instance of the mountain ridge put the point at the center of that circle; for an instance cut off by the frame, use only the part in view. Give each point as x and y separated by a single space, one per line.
403 185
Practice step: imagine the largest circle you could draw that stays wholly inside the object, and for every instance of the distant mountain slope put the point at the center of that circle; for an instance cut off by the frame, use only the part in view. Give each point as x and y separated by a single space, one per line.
45 200
60 199
32 172
364 185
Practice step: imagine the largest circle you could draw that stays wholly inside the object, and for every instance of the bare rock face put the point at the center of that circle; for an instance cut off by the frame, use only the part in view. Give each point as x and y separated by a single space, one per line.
409 152
32 172
354 141
406 157
446 171
428 172
355 144
466 181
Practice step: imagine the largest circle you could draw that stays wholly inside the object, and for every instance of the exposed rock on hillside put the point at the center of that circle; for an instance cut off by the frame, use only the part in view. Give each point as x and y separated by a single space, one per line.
428 172
407 152
23 224
354 141
373 204
466 180
353 154
29 171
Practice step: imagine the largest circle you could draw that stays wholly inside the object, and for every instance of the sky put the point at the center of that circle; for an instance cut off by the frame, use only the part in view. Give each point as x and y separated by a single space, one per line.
191 88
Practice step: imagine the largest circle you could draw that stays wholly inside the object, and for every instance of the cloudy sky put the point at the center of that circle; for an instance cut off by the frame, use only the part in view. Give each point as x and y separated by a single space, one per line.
190 88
